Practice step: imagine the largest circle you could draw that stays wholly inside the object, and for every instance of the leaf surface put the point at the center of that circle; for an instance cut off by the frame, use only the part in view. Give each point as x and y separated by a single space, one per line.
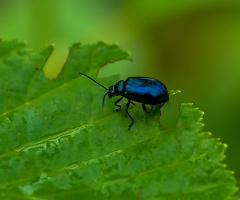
57 143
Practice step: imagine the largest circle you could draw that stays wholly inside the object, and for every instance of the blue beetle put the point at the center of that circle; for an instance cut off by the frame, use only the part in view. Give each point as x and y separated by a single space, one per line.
144 90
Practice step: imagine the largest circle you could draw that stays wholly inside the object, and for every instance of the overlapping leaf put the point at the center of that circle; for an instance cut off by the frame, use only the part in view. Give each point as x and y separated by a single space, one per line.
57 143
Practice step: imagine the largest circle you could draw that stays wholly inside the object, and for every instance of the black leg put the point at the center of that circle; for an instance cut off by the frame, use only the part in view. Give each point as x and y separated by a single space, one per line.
145 109
127 106
119 106
133 103
160 120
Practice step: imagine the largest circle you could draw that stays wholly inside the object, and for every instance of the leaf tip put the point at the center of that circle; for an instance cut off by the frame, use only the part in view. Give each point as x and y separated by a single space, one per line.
190 118
76 45
174 92
225 146
209 133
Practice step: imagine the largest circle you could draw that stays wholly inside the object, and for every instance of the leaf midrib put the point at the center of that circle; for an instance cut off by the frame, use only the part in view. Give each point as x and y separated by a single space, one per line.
60 134
113 152
82 162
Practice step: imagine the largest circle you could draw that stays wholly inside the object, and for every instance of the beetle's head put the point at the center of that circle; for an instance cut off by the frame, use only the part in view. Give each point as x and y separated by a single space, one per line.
112 91
116 90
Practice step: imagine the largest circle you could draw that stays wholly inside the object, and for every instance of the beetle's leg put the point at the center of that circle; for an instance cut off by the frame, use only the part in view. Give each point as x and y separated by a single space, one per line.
133 103
127 106
145 109
119 106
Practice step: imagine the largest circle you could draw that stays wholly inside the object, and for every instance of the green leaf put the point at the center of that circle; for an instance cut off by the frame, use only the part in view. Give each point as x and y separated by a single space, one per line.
57 143
174 92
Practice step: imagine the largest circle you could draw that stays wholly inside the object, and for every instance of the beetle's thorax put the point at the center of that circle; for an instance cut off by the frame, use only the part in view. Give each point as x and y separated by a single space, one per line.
116 90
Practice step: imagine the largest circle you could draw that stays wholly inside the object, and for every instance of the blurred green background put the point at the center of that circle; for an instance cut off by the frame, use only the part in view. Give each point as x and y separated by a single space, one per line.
193 46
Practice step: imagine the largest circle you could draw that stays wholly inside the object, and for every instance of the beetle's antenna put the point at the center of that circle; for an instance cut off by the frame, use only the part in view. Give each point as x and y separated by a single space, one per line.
93 80
104 100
